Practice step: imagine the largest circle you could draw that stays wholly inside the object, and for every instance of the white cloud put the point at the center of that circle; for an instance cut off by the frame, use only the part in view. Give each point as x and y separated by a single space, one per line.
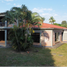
8 0
2 1
14 4
8 3
47 13
55 15
40 10
17 5
63 5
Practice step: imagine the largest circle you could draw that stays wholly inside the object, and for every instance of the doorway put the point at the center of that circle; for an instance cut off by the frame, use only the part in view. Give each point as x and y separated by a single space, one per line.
2 35
36 37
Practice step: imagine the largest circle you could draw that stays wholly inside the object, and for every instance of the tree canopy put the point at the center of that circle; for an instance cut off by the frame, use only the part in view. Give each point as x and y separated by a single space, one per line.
52 20
57 24
63 22
37 18
22 14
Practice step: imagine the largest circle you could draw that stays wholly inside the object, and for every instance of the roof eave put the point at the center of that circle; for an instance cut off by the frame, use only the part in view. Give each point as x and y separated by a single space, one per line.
2 14
49 29
5 28
53 28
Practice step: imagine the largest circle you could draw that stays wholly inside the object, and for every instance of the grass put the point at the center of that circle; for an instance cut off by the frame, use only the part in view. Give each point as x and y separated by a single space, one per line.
35 57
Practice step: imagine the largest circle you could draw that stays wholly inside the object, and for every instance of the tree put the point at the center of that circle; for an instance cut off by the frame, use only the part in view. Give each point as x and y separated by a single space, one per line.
24 8
63 22
37 18
13 16
23 17
51 20
57 24
43 19
63 25
18 38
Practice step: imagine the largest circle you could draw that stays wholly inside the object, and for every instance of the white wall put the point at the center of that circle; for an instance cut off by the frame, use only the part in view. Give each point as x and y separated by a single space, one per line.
65 35
46 38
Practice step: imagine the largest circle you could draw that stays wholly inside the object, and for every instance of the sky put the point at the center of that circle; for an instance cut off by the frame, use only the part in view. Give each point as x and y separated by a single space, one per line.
45 8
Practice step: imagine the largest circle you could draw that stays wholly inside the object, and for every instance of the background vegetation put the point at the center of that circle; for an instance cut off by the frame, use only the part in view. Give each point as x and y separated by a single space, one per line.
63 24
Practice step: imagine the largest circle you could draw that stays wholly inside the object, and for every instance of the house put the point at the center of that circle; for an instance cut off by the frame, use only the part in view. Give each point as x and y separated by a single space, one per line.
3 31
47 35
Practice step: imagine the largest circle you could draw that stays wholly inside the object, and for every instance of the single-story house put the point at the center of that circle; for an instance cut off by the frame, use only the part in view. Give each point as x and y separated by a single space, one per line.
47 35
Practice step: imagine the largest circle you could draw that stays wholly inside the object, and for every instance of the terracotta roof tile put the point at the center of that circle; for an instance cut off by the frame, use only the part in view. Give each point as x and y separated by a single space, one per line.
46 25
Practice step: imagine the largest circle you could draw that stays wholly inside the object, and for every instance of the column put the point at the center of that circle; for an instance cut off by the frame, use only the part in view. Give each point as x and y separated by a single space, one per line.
40 38
5 34
60 36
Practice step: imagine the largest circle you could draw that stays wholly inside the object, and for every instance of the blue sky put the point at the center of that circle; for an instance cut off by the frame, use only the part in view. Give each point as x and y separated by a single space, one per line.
46 8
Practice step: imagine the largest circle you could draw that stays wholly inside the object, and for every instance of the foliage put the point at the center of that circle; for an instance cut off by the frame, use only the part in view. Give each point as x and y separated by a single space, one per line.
57 24
17 39
22 14
63 22
52 20
24 18
37 18
13 16
63 25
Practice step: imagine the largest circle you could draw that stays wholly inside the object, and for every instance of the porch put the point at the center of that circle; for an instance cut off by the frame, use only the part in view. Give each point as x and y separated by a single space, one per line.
4 35
2 43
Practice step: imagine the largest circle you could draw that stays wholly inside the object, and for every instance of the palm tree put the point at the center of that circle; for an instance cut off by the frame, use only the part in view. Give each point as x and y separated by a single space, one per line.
37 18
43 19
51 20
17 15
24 8
23 15
14 15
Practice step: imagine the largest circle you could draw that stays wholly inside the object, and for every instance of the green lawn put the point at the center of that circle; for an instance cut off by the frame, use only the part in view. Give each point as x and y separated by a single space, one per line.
44 57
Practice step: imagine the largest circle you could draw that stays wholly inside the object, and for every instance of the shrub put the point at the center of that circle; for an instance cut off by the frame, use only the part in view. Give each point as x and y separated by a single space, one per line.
19 40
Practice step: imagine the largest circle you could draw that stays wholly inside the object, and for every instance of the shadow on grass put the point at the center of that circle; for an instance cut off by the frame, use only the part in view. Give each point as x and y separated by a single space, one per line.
35 57
43 57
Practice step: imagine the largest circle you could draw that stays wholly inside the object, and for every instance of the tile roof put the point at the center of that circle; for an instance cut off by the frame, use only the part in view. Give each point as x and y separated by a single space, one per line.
46 25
